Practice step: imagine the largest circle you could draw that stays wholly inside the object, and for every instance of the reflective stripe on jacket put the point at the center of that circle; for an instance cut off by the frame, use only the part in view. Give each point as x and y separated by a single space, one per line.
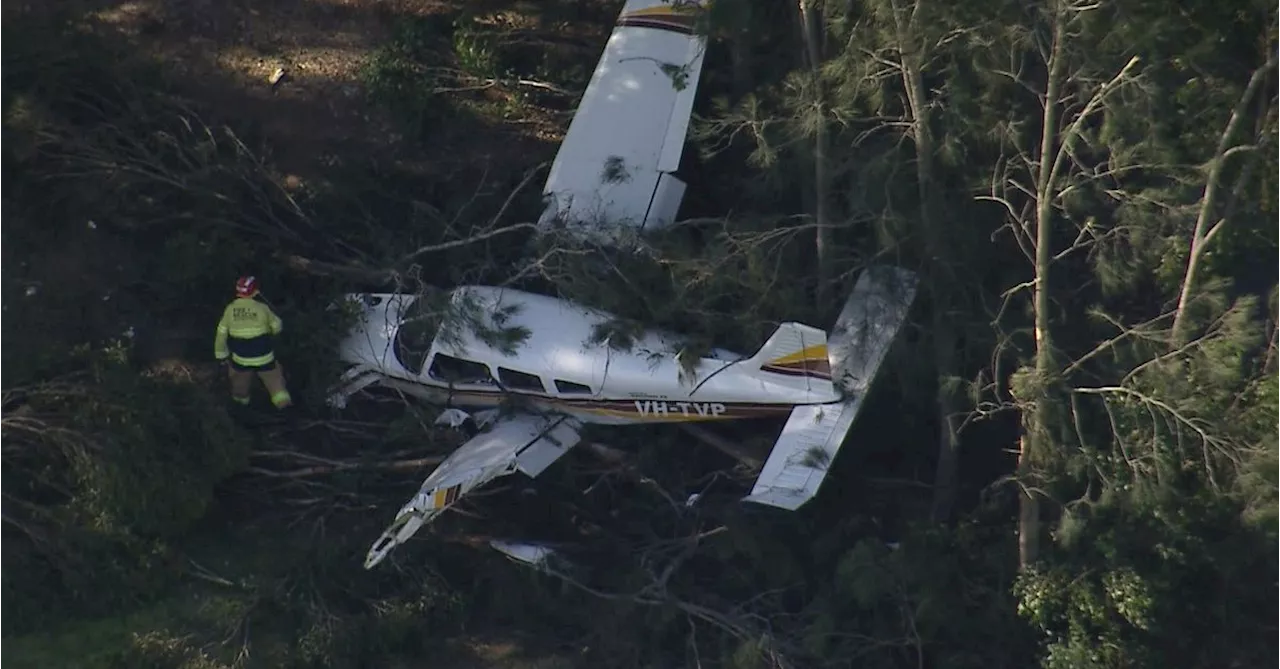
246 333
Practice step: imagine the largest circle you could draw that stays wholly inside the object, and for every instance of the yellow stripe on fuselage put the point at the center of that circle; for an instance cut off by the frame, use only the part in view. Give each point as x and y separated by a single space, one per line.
817 352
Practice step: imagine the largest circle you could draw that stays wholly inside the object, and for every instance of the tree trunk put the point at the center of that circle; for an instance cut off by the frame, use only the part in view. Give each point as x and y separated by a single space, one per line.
1203 234
811 30
1034 416
943 330
740 61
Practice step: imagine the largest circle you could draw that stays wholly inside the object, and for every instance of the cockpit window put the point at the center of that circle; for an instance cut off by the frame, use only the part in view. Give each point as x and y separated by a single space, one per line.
456 370
571 388
520 380
417 329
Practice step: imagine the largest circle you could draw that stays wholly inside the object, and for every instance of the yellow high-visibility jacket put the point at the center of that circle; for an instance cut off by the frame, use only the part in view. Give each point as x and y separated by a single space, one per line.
246 333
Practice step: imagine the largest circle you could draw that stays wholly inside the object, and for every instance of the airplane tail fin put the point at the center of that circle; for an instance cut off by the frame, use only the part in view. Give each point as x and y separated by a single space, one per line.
868 324
796 350
863 333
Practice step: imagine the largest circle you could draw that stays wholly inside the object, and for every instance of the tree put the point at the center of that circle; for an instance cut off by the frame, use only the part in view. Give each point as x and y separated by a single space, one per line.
813 33
1039 168
904 41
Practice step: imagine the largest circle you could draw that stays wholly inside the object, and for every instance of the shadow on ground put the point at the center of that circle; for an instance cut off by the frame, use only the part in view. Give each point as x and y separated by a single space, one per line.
226 55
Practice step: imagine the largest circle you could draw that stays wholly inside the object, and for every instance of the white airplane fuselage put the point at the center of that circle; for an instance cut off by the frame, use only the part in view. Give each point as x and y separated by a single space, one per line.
558 367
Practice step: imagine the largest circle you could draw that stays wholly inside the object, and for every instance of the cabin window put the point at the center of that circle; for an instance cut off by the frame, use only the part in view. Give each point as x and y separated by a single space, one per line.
456 370
571 388
510 378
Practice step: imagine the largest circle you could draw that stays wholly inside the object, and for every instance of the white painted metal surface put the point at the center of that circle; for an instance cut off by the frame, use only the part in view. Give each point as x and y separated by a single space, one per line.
805 449
813 435
643 381
613 172
871 318
536 555
519 441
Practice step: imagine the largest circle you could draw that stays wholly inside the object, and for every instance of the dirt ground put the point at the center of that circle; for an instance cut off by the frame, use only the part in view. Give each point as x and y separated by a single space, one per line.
226 54
223 55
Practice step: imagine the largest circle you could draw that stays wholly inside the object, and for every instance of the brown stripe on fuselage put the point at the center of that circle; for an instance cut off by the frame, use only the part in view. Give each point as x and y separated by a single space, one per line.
674 23
818 368
671 411
796 372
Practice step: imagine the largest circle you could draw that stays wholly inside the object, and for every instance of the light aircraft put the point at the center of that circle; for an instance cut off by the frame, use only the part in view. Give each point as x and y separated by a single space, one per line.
613 179
534 391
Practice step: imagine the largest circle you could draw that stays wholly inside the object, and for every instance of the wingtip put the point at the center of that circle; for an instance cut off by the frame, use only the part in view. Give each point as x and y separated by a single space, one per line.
381 548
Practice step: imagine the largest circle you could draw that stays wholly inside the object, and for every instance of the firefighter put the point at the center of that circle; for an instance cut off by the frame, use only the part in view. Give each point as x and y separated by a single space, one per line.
246 335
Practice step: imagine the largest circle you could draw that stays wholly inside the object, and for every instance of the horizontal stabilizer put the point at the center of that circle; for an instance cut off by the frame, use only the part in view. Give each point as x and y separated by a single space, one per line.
867 325
856 347
524 442
805 449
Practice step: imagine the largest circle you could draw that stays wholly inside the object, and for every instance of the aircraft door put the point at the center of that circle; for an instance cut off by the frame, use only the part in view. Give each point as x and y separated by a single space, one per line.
600 369
602 354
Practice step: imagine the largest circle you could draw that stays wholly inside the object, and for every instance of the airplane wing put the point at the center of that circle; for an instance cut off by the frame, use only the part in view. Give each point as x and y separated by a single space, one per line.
617 162
521 441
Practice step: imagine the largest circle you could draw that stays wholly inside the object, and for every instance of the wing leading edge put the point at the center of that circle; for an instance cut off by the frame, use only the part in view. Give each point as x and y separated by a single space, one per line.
523 442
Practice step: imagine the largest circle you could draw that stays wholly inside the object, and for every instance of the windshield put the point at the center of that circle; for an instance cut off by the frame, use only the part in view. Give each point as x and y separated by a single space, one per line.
418 327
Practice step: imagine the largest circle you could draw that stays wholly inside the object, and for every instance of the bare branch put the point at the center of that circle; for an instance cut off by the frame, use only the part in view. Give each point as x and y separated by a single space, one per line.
491 232
1072 133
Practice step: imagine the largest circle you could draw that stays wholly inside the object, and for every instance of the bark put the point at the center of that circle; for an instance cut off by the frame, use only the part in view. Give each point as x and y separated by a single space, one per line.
297 263
1052 165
